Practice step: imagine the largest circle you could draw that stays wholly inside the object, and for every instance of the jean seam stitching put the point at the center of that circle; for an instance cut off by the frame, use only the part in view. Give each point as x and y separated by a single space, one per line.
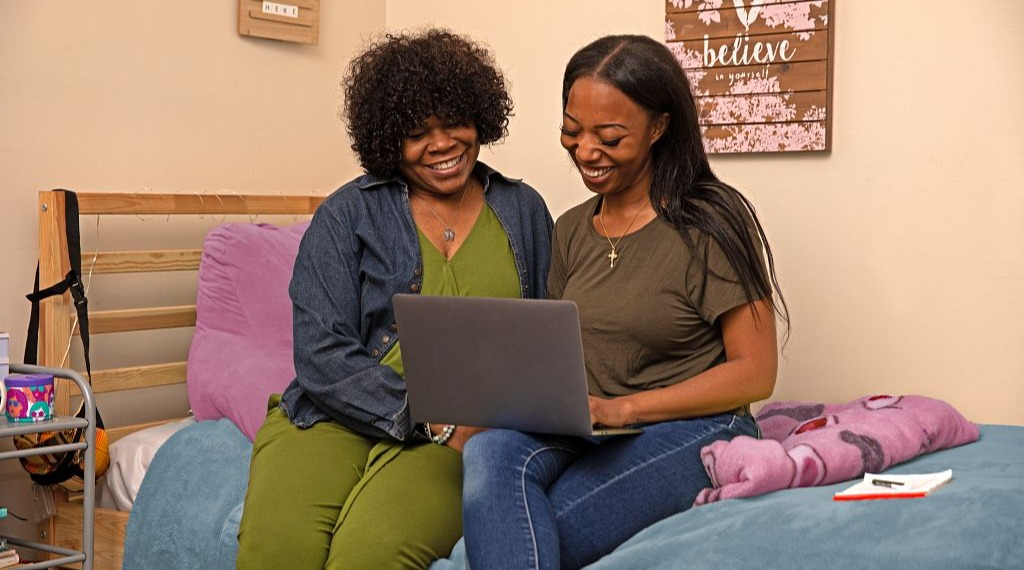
526 506
711 428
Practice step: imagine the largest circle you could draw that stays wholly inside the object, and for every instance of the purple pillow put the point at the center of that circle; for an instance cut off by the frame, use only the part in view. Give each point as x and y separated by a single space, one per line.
242 348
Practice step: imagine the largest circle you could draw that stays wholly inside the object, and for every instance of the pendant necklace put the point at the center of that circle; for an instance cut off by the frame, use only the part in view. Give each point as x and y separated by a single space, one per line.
613 255
449 231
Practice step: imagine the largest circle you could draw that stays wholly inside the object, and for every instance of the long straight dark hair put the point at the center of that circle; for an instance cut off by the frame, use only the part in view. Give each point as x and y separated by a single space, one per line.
684 190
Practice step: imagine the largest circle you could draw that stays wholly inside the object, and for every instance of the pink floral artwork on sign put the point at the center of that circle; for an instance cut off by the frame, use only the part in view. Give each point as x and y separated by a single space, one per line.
758 70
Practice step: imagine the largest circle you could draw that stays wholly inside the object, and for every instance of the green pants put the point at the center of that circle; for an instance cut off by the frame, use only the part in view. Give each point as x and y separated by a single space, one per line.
327 497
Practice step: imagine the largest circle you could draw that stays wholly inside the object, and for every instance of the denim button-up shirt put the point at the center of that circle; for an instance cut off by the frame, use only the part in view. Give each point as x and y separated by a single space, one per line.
360 249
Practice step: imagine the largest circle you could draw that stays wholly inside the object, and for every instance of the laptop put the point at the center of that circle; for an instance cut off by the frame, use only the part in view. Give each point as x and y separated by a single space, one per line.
496 363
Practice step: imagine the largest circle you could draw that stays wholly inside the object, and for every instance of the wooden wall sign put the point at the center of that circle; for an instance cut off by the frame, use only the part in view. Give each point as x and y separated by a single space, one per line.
761 71
285 20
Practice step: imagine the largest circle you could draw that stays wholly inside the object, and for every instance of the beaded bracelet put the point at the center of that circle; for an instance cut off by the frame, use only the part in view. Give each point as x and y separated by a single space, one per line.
441 438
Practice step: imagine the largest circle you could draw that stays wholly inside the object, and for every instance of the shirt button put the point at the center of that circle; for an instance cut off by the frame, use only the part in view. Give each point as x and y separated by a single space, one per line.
375 353
414 287
385 339
394 327
418 271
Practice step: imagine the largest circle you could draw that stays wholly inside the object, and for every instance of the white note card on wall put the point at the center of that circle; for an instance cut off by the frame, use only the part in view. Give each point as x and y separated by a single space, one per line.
277 9
289 21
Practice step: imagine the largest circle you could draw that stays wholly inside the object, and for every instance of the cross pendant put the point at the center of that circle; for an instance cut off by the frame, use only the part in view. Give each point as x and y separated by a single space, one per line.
612 257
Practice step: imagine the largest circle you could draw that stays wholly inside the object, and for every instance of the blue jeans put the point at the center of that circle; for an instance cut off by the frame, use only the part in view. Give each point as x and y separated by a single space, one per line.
539 501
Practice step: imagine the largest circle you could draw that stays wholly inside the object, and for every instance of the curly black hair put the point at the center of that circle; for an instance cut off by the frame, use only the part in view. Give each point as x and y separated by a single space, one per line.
402 79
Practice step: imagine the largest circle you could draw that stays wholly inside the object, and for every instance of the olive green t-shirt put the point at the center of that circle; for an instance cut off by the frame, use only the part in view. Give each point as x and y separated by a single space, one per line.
651 321
483 266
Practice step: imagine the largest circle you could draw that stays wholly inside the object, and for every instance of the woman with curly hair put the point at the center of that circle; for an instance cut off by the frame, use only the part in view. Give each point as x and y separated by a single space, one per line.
340 476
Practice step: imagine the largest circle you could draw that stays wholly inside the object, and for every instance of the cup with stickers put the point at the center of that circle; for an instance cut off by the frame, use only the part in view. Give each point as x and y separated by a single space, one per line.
29 397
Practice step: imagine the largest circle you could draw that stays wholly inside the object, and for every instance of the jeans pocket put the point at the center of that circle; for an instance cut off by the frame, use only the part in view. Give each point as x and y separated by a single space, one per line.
743 424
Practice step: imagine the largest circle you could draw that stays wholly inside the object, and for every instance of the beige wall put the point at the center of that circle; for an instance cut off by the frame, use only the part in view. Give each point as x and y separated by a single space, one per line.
118 96
124 96
900 252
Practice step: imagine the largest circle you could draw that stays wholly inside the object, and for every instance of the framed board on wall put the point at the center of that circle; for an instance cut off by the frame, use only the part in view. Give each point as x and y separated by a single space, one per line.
761 71
284 20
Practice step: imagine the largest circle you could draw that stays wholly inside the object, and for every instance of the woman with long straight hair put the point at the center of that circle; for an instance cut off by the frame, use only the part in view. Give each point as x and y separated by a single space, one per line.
678 303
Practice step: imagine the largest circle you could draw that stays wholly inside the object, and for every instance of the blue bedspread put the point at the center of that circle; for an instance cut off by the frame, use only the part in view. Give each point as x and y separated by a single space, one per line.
187 513
189 506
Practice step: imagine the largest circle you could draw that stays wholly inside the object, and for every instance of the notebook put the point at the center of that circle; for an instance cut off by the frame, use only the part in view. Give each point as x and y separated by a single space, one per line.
496 363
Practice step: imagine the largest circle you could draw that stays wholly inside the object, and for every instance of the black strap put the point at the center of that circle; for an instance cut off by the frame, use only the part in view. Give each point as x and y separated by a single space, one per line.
32 340
72 281
68 465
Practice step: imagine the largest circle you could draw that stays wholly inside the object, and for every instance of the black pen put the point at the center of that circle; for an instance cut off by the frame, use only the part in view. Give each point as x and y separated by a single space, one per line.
885 483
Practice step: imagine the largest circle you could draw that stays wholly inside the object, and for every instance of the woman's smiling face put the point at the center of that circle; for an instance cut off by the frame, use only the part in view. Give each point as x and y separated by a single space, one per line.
609 137
439 157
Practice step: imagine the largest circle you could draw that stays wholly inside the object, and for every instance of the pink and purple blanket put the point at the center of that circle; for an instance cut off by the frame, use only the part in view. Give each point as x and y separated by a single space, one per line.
807 444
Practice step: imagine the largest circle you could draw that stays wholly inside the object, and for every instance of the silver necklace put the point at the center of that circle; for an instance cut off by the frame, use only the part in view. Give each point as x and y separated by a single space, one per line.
449 230
613 255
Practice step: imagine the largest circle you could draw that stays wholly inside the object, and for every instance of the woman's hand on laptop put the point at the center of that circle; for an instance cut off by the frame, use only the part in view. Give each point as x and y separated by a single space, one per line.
610 412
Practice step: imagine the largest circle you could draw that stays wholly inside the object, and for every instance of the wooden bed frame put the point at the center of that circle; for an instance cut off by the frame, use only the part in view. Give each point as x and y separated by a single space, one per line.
57 317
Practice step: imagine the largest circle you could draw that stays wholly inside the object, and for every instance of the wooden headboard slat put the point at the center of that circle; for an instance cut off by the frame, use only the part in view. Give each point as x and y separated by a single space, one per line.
141 261
124 320
135 377
174 204
57 315
54 312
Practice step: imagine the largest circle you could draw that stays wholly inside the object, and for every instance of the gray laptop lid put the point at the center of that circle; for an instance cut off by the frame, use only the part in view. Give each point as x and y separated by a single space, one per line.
499 363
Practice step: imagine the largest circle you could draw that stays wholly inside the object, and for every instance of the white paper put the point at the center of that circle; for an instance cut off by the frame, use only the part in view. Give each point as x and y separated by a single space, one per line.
897 485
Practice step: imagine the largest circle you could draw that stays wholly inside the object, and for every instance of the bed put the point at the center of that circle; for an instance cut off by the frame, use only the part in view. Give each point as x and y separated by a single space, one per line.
189 503
130 457
57 325
975 521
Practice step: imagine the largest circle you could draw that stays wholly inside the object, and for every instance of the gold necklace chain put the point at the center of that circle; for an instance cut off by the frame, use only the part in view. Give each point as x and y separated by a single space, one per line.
600 216
449 231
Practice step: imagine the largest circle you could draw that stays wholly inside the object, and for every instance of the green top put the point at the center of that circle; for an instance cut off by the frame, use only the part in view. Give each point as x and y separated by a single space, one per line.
482 267
652 320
